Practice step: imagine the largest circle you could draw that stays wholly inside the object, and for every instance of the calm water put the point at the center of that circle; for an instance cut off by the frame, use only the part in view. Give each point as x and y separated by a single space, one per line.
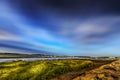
27 59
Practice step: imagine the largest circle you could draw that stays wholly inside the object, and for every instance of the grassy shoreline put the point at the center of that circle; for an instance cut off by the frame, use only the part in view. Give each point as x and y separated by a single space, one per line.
45 69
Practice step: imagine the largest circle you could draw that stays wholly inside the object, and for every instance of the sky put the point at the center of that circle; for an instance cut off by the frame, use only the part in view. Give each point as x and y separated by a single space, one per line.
60 27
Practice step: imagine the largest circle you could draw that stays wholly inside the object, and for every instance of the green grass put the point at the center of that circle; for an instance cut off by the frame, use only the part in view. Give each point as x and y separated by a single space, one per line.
41 70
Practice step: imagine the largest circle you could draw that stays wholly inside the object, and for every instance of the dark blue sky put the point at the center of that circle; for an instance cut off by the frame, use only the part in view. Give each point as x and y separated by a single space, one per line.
69 27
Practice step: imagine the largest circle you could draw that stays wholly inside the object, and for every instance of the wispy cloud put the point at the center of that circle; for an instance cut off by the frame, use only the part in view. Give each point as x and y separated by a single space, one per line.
92 30
8 36
34 26
18 29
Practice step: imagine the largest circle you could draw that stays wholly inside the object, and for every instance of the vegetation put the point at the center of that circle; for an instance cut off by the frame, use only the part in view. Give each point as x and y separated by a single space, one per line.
16 55
42 70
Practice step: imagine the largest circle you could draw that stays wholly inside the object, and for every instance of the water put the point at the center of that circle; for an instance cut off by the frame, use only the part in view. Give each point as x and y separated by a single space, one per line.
27 59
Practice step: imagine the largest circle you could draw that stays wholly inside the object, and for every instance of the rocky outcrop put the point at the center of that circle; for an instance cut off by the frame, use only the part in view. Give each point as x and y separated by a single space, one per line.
106 72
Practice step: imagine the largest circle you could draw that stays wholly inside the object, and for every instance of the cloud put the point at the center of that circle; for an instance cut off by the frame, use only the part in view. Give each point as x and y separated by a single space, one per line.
22 25
35 33
61 28
4 35
92 30
19 30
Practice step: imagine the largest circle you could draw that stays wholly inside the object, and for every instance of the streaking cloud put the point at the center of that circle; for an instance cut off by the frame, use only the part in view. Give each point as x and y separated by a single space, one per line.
60 27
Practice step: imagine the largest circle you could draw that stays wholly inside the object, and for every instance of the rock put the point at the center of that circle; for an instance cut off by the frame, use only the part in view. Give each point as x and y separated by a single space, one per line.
106 72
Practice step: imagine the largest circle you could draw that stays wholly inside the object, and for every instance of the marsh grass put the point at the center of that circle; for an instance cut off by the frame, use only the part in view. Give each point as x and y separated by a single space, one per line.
41 70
